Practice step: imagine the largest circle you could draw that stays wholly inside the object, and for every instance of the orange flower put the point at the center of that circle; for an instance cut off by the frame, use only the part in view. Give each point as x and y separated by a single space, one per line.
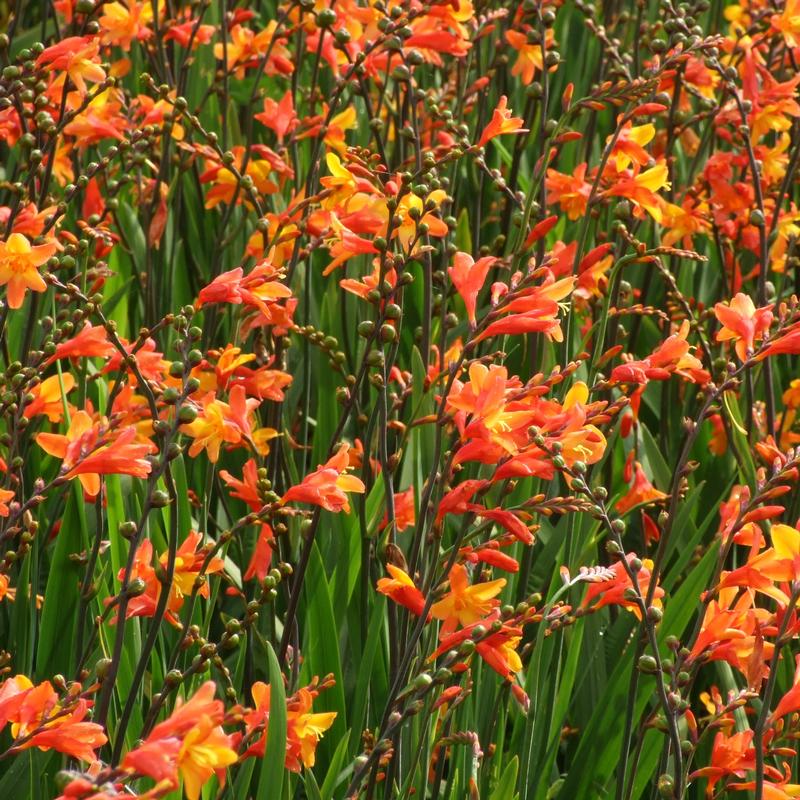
261 558
402 590
328 485
206 749
501 122
122 23
730 756
259 288
629 146
613 591
89 450
231 369
222 423
465 603
742 323
78 56
39 718
405 514
498 650
190 742
247 488
684 222
47 397
641 189
642 492
790 702
468 276
5 496
344 245
788 23
188 563
19 267
730 630
186 712
190 33
672 356
303 729
225 182
279 117
533 310
90 342
529 56
572 192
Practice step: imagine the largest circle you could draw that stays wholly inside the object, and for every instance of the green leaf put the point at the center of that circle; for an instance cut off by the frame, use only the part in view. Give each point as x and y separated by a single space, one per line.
505 786
59 612
270 781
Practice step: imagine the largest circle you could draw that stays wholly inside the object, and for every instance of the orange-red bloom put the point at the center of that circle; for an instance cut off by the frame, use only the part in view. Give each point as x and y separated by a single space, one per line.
328 485
468 276
89 449
402 590
501 122
742 323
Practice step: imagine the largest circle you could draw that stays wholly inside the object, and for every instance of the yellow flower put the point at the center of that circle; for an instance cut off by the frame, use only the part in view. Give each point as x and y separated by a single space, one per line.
19 263
206 748
466 603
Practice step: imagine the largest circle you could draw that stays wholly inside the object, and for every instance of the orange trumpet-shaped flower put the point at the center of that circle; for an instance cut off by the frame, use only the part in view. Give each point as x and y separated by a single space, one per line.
498 650
247 488
122 23
259 288
788 23
529 56
90 342
629 146
501 122
779 563
227 423
405 512
533 310
88 451
641 492
5 496
572 192
279 116
613 590
465 603
188 563
247 491
328 485
731 756
39 718
206 750
402 590
47 397
731 629
78 56
641 189
672 356
468 277
303 728
19 267
742 323
191 742
187 712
